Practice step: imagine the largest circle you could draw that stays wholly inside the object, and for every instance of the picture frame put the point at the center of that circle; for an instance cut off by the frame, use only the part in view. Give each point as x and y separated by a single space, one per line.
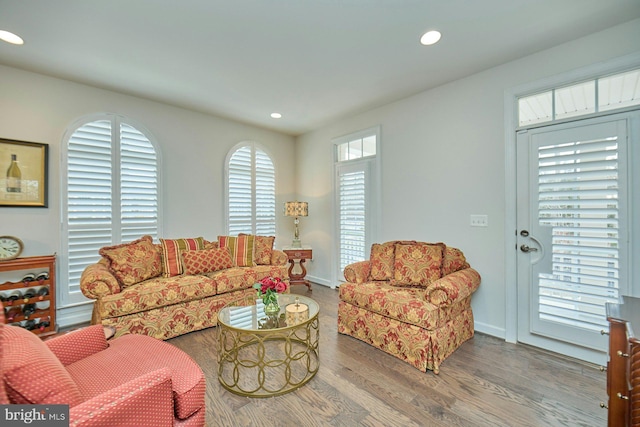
24 174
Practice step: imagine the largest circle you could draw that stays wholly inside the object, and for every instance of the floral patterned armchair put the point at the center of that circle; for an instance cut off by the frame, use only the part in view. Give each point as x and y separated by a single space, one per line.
135 380
410 299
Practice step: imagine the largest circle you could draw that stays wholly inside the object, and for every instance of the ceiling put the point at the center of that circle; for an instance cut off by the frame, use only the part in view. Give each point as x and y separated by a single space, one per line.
311 60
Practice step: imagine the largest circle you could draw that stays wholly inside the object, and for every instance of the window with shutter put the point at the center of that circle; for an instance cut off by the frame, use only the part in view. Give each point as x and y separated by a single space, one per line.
251 191
111 194
356 189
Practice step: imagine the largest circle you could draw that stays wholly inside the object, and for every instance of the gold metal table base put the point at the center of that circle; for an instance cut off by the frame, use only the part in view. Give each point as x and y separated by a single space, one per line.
268 362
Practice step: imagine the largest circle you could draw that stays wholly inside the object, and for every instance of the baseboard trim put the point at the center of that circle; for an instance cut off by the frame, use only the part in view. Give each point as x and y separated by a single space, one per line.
320 281
74 315
489 329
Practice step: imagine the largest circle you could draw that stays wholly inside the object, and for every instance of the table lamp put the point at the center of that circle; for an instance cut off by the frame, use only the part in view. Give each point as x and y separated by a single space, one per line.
296 209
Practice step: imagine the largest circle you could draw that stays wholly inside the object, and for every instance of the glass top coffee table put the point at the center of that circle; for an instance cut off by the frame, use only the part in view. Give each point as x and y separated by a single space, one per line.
264 356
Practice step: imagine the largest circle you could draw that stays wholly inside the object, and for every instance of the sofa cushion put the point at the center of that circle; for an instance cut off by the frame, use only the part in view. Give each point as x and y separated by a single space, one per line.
241 249
417 264
156 292
133 262
32 374
234 279
382 258
262 249
171 249
206 260
105 371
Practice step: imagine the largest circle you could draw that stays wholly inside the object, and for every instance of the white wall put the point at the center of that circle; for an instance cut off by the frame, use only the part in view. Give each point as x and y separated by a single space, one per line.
193 147
443 159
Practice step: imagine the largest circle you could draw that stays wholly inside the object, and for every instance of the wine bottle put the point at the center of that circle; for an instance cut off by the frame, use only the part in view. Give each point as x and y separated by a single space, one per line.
28 310
43 292
28 278
12 313
44 324
29 293
14 296
30 325
41 277
14 176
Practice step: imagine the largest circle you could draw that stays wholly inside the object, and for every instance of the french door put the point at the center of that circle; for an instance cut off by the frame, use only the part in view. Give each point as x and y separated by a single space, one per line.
572 232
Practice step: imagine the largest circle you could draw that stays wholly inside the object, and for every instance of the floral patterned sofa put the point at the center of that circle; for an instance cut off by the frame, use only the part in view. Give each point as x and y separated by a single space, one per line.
178 286
411 300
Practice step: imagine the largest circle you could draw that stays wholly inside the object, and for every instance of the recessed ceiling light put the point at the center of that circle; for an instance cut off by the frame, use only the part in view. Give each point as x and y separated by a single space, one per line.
430 37
276 115
10 37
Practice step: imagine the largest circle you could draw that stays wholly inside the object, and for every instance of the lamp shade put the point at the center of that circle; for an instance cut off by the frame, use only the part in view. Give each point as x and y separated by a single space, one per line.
296 209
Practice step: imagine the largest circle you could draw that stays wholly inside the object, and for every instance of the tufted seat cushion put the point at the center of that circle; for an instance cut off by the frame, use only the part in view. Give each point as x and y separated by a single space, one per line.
234 279
132 356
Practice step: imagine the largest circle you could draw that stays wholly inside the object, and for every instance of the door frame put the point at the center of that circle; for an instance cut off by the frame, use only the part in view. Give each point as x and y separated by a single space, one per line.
510 128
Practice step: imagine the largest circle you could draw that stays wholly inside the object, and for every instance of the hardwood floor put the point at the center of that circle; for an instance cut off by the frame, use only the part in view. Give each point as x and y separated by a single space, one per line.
486 382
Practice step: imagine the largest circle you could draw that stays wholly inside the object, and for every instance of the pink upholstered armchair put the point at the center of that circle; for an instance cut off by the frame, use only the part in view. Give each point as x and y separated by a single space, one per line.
133 380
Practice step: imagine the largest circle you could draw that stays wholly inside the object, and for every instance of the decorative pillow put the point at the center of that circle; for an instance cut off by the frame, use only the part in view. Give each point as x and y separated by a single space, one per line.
210 245
22 352
133 262
454 260
241 248
418 264
206 260
262 249
171 248
382 258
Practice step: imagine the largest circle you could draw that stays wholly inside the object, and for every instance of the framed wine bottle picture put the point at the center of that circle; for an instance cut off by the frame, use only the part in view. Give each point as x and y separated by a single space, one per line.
23 173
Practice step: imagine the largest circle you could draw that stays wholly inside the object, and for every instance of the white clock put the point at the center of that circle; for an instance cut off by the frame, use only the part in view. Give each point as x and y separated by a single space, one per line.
10 247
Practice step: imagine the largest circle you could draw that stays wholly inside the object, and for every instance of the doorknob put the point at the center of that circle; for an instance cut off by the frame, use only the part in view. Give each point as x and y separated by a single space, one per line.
525 248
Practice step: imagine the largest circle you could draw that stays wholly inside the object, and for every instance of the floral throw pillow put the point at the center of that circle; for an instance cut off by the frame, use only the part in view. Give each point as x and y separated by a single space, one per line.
382 258
454 260
206 260
263 247
171 249
133 262
241 248
418 264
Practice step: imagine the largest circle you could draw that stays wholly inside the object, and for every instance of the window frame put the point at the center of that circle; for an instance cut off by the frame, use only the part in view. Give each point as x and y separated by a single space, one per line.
253 145
65 297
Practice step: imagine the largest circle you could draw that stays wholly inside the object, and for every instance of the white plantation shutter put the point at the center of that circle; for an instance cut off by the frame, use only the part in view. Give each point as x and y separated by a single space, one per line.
352 216
578 186
251 192
111 194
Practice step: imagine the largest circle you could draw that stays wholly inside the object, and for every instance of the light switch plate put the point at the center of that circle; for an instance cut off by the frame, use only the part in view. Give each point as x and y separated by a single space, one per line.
479 221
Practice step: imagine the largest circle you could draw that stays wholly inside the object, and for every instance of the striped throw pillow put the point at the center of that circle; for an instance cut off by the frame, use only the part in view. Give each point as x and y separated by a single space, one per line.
241 248
171 250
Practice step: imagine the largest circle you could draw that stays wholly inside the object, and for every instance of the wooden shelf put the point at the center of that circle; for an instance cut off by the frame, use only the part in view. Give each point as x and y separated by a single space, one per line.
33 265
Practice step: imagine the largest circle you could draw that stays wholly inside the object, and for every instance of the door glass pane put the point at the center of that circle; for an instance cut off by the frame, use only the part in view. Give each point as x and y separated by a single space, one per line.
535 109
621 90
352 218
578 202
575 100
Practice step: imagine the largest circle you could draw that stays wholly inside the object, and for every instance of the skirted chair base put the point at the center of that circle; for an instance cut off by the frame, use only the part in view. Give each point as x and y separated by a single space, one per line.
421 348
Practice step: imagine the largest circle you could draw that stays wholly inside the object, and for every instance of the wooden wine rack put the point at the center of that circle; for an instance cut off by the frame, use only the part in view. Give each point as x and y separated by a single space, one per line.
33 264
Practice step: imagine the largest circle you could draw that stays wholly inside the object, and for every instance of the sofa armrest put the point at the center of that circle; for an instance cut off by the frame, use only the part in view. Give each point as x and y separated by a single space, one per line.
453 287
144 401
278 257
97 281
77 345
358 272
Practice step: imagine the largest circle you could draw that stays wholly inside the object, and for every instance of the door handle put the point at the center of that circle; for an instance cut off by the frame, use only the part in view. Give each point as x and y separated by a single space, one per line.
525 248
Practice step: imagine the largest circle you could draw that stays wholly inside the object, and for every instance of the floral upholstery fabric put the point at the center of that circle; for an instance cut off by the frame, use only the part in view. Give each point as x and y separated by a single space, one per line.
382 259
133 262
424 349
206 260
96 281
417 264
157 292
420 325
262 249
241 248
279 258
454 260
234 279
173 320
171 250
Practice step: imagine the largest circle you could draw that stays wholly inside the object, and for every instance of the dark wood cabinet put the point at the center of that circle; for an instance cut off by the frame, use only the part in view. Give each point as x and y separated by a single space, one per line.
623 368
45 305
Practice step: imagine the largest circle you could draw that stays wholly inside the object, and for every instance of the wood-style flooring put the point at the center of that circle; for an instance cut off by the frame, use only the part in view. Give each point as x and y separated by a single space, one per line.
486 382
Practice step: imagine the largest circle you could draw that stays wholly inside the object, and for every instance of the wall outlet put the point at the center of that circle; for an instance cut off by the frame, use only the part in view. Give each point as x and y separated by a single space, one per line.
479 221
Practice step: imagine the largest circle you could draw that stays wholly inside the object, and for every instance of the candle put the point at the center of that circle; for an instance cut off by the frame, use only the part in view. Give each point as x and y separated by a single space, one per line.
296 313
